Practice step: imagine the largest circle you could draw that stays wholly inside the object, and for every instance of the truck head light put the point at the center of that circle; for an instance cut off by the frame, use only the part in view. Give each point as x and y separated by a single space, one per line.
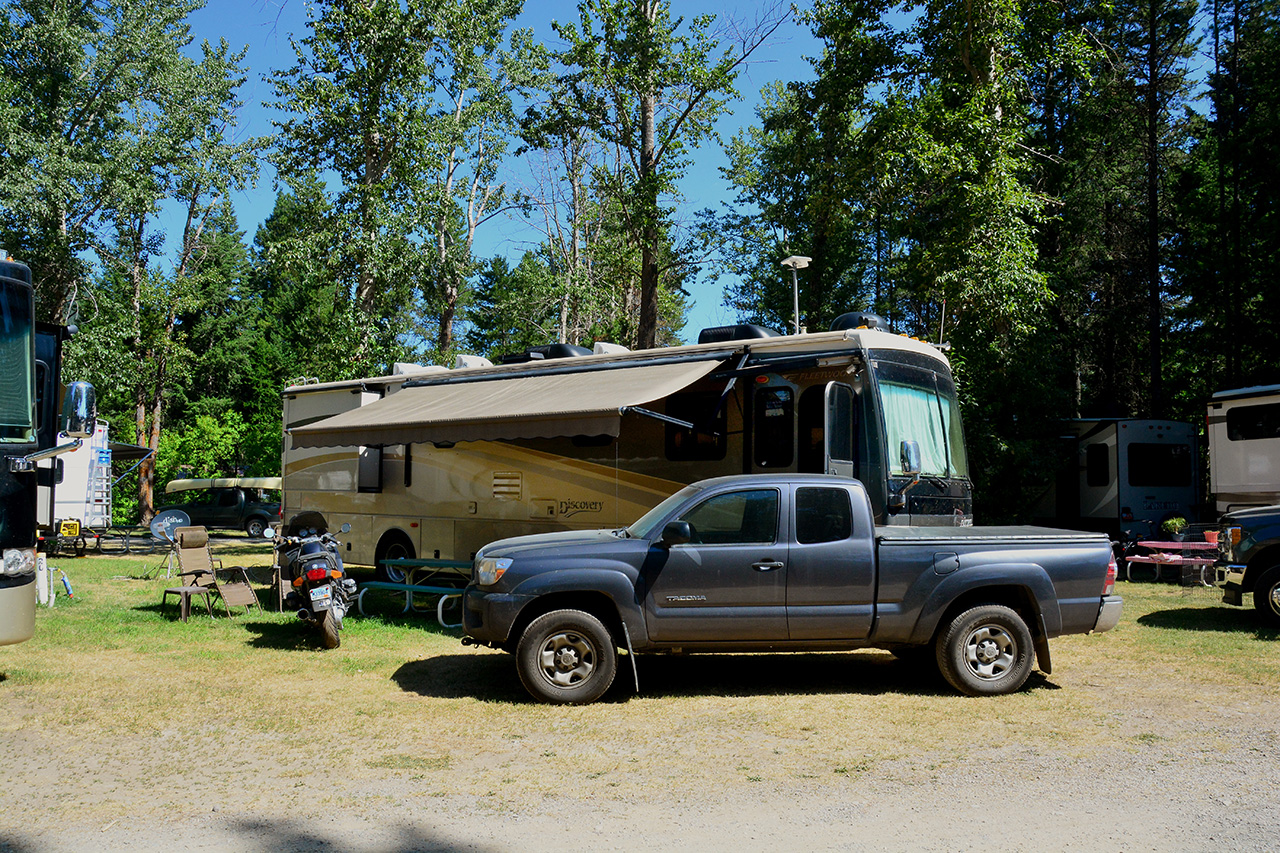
19 561
490 569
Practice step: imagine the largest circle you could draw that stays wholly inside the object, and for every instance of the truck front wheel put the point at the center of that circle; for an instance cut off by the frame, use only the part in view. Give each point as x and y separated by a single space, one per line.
566 657
986 651
1266 597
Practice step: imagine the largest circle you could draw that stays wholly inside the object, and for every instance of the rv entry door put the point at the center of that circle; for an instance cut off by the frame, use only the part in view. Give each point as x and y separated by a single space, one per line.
838 430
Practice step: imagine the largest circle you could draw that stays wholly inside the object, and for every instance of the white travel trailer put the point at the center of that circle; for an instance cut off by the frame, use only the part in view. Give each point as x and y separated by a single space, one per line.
435 463
1123 476
1244 447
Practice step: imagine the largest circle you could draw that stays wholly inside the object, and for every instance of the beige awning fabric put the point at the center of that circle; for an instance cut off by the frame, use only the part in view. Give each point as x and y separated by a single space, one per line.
537 406
224 483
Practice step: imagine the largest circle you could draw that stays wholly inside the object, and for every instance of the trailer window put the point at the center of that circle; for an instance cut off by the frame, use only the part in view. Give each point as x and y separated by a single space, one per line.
1249 423
1159 465
705 444
774 427
1097 466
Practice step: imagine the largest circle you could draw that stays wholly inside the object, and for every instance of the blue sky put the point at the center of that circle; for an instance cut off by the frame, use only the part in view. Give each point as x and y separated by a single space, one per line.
264 26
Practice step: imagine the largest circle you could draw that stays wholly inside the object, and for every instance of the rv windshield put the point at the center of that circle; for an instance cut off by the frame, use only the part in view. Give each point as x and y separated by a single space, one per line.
920 405
17 351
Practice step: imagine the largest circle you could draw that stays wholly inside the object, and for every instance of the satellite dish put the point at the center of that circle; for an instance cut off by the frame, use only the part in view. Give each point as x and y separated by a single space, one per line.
163 525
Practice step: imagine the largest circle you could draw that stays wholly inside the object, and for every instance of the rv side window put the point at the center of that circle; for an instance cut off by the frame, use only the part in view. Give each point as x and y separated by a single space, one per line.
1248 423
370 473
1159 465
685 445
774 427
1097 463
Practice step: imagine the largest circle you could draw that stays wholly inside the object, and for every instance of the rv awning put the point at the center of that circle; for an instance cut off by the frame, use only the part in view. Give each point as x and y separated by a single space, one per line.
527 406
224 483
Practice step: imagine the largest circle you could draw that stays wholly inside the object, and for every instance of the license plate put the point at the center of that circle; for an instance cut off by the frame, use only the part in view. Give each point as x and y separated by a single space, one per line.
321 596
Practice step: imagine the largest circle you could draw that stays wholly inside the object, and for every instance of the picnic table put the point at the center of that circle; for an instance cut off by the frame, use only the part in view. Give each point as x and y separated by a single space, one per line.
443 578
1193 556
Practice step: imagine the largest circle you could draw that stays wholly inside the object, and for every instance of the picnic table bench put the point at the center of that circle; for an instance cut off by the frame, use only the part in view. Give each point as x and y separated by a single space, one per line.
1185 555
448 573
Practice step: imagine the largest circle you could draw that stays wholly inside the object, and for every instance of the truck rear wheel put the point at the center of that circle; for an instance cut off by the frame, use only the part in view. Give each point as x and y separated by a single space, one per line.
566 657
986 651
1266 597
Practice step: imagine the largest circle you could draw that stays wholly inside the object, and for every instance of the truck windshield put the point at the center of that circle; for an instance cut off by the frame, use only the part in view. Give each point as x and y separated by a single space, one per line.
920 405
17 354
647 526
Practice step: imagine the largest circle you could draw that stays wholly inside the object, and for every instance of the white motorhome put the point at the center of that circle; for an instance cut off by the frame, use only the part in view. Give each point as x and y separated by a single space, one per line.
1123 476
1244 447
435 462
84 494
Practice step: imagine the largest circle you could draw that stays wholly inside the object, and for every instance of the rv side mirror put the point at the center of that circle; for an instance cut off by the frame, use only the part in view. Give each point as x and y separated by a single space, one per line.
80 410
677 533
910 457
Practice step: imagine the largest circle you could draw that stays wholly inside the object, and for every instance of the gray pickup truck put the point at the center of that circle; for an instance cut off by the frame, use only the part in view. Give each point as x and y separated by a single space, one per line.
785 563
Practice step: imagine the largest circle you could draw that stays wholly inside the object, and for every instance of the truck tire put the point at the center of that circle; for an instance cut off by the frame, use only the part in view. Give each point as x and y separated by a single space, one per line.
566 657
254 527
986 651
1266 597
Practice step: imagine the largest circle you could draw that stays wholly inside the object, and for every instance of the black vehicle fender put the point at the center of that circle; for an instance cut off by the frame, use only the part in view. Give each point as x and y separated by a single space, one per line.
1022 586
608 594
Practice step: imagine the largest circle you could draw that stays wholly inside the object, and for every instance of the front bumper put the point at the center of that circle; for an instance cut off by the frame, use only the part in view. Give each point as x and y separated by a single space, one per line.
488 616
17 609
1230 577
1108 613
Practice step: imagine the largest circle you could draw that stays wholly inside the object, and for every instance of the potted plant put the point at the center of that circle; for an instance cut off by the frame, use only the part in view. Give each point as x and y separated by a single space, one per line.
1174 527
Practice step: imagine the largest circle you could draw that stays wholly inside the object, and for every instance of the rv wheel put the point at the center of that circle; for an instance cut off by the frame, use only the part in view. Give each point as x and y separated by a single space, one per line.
393 546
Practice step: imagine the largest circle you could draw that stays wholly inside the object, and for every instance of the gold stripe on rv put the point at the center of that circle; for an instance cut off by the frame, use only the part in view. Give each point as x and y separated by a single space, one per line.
539 406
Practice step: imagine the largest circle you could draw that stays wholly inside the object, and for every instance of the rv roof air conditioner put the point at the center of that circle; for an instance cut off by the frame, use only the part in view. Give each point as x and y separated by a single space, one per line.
605 348
545 352
465 361
408 368
858 319
740 332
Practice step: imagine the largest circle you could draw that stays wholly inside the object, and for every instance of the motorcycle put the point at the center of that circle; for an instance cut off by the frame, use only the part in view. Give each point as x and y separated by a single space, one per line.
309 560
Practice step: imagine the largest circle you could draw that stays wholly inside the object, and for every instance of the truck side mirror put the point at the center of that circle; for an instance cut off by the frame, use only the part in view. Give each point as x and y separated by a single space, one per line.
677 533
910 457
80 410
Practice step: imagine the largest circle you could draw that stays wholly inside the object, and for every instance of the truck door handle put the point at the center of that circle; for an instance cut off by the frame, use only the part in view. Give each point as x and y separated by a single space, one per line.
768 565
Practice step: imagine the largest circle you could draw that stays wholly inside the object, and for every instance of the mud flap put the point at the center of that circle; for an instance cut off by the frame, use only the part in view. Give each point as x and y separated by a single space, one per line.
1043 663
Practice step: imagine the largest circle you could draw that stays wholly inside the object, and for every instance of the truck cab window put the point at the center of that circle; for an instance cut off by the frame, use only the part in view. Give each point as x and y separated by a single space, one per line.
774 428
823 515
735 518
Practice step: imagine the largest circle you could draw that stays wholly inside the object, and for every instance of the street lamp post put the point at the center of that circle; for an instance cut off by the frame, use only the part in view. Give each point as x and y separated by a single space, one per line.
793 263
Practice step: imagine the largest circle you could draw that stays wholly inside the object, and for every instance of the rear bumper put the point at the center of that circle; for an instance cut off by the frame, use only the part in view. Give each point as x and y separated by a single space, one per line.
17 609
1108 613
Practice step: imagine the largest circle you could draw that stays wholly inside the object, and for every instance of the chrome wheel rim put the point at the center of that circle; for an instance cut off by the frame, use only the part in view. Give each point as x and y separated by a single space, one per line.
567 659
1273 598
990 652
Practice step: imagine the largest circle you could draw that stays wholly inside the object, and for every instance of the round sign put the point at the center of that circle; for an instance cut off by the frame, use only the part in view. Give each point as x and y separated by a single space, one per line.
163 525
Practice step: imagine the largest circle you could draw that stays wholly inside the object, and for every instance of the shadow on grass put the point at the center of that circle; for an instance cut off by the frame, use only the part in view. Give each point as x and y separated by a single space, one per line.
493 678
1229 620
286 636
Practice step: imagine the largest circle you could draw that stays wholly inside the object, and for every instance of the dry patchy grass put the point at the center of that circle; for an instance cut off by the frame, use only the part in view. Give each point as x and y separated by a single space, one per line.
113 690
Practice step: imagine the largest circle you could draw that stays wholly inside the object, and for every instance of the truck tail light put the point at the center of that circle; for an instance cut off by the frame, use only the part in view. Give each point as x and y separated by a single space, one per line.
1112 571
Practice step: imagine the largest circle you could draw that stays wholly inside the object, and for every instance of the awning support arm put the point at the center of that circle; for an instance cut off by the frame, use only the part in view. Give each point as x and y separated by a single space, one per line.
666 419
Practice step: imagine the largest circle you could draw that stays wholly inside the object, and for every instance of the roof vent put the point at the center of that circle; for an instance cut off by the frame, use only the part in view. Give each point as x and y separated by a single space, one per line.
605 348
547 351
740 332
858 319
465 361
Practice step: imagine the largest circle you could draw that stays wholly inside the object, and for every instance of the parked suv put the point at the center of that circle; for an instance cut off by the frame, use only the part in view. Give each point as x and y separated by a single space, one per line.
244 503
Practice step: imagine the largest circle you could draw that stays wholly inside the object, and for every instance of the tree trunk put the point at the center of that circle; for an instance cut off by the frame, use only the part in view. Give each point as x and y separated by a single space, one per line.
1156 406
647 331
